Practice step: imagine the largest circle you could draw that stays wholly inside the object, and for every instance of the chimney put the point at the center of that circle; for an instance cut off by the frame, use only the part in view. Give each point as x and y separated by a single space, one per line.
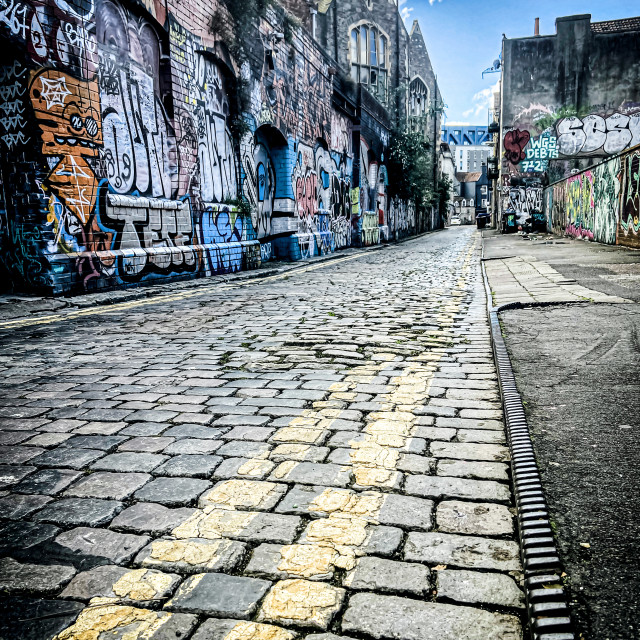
536 31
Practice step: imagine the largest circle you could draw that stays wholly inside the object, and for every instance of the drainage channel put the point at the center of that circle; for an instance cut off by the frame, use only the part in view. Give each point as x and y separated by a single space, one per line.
547 608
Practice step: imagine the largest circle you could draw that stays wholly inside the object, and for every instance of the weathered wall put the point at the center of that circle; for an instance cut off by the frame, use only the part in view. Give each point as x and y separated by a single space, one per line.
118 157
568 101
601 203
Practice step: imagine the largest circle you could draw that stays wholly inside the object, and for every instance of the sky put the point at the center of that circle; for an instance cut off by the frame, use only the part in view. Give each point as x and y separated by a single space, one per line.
464 37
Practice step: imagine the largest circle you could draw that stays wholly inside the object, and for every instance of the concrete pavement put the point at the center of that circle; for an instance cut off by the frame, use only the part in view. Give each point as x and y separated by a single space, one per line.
576 366
314 454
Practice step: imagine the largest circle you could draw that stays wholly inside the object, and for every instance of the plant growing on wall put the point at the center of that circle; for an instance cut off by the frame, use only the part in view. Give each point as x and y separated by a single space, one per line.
410 168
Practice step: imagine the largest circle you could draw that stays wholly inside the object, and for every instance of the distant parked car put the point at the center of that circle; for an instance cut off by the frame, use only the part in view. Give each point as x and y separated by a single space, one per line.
455 220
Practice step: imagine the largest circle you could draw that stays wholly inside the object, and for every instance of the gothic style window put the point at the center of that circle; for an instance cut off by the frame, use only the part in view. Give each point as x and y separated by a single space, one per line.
368 52
418 98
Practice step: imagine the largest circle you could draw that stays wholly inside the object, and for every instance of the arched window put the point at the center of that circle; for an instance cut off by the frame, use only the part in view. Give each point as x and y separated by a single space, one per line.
368 53
418 98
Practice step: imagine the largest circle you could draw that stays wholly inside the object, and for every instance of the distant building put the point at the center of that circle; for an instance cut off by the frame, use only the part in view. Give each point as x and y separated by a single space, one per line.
455 135
472 194
469 145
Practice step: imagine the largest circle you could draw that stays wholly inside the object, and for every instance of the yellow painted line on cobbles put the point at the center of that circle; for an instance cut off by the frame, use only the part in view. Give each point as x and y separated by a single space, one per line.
160 299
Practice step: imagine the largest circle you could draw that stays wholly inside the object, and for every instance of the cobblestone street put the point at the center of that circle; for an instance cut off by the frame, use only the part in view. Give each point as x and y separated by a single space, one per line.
314 453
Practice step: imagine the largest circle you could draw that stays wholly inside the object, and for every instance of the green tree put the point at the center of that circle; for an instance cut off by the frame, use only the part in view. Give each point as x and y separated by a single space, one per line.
410 169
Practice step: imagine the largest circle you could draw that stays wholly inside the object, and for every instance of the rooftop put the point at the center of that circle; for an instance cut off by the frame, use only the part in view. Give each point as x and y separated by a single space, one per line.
614 26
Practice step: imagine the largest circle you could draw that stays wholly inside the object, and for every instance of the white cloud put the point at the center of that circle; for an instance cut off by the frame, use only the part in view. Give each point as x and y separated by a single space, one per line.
432 2
482 101
405 12
458 124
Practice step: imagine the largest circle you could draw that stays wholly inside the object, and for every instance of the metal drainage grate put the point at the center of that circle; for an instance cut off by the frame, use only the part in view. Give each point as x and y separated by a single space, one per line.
547 609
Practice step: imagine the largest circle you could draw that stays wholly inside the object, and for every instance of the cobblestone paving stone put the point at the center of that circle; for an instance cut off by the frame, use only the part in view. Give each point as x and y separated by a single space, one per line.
316 455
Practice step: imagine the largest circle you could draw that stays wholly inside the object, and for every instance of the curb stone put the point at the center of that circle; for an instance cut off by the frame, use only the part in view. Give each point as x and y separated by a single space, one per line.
548 615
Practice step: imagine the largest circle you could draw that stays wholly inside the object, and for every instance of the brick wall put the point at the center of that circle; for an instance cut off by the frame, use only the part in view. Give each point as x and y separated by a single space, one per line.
121 163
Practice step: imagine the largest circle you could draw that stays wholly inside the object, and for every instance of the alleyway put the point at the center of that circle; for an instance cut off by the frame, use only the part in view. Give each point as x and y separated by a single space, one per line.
320 451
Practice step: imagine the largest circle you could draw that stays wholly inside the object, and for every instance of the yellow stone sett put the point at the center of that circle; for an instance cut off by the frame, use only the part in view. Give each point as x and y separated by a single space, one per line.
284 469
374 455
340 386
390 427
255 468
189 552
141 584
256 631
338 530
375 477
297 434
308 560
105 618
240 493
214 523
381 439
308 603
347 503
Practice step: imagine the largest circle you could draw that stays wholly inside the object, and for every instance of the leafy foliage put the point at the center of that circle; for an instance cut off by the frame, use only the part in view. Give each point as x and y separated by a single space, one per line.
410 168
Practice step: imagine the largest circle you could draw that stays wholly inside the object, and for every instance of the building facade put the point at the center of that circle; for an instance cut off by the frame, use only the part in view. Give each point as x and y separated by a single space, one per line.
569 101
145 140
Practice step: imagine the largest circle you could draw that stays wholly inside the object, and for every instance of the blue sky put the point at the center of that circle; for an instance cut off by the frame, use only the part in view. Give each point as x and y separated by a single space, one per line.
464 38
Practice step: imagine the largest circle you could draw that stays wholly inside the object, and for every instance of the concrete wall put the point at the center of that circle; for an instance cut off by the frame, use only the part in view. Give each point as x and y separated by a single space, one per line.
569 100
121 159
601 203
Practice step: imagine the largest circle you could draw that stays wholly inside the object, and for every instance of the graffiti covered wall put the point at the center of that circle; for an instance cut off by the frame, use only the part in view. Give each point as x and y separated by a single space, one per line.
569 101
110 186
601 203
134 148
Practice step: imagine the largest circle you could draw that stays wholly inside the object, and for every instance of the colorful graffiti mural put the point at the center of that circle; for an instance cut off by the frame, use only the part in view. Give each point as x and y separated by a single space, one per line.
128 140
629 223
601 203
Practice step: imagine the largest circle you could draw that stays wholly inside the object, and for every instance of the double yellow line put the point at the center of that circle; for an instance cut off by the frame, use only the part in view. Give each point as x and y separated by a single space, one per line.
161 299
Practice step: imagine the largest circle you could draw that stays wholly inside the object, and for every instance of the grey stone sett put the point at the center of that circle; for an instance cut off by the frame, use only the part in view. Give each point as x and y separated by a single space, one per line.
393 617
144 429
145 444
18 538
68 457
130 461
244 449
16 577
16 506
331 475
483 518
474 587
172 492
197 431
79 511
406 512
98 583
11 474
88 547
114 486
448 487
462 551
256 434
193 446
191 466
466 469
47 481
150 518
216 594
378 574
